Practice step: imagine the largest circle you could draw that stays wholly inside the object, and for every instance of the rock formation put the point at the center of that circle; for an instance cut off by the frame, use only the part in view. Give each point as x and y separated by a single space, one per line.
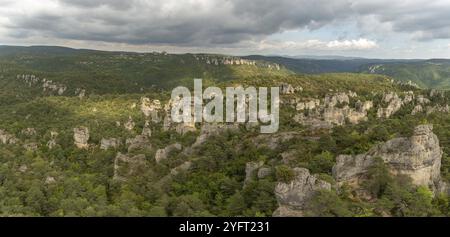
81 137
418 157
150 108
7 138
395 104
293 197
129 125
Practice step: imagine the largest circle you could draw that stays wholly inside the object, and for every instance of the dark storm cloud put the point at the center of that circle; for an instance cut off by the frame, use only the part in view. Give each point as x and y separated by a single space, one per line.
216 22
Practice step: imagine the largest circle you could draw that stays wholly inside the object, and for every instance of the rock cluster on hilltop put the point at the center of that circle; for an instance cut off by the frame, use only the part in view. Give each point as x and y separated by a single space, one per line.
81 137
335 110
293 197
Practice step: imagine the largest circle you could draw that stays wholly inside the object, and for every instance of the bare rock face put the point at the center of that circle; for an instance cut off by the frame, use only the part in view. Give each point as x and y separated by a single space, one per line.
339 98
395 104
7 138
113 143
417 109
81 137
146 131
52 142
364 106
287 89
129 125
126 166
418 157
162 154
150 108
294 196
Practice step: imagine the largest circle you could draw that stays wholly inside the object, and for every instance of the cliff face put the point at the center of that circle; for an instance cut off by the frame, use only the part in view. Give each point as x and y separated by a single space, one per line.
418 157
292 197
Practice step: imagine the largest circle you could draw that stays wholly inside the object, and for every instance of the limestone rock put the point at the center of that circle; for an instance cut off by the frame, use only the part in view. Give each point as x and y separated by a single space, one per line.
129 125
31 146
150 108
81 137
339 98
395 104
418 157
293 197
417 109
7 138
287 89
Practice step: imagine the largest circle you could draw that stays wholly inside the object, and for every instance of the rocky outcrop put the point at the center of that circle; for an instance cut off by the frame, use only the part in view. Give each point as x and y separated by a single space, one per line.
150 108
287 89
129 125
294 196
7 138
52 142
418 157
163 154
418 109
146 131
335 110
81 137
113 143
395 104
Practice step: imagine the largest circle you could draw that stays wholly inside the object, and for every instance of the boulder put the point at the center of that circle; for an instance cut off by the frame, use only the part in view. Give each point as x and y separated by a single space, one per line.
129 125
7 138
418 157
81 137
294 196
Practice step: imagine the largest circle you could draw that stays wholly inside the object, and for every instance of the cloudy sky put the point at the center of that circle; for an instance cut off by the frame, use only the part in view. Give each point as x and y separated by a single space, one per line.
368 28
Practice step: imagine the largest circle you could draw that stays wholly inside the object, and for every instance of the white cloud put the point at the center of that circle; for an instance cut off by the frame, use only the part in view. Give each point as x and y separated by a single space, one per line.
335 45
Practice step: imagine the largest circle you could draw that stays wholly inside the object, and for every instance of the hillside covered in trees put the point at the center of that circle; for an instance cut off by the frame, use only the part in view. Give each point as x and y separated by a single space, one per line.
88 133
